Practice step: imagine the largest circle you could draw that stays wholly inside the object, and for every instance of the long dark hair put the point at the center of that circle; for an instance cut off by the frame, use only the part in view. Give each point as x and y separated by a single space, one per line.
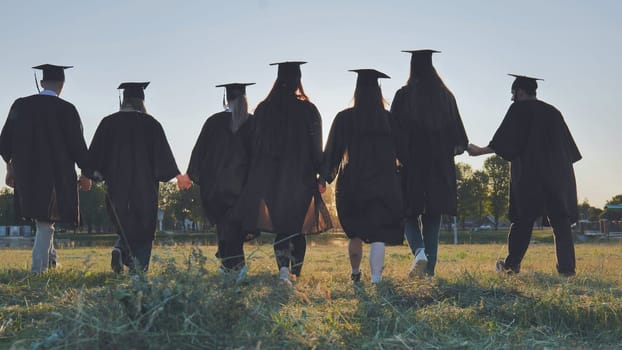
370 108
429 101
283 87
274 112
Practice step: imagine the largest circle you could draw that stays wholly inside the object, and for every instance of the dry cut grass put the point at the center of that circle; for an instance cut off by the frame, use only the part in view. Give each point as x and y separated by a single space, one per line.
183 303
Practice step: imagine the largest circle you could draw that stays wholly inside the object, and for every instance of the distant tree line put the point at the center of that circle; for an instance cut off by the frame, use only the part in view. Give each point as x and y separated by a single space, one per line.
481 193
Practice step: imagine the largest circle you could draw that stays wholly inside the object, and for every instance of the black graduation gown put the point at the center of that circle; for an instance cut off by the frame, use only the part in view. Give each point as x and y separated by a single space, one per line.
219 164
281 194
43 138
427 154
368 194
535 139
131 152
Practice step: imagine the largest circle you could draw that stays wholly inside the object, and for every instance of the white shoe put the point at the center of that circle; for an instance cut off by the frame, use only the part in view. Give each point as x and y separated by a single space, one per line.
284 276
242 274
419 265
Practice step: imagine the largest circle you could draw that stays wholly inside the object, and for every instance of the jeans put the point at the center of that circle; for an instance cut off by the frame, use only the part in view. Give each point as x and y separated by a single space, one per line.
423 233
43 252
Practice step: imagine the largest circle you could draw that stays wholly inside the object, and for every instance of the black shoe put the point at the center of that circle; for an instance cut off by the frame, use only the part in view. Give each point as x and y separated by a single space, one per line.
501 268
116 263
355 277
567 274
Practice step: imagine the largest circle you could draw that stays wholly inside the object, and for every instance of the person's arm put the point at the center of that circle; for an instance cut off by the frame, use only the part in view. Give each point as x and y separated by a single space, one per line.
9 180
316 145
475 150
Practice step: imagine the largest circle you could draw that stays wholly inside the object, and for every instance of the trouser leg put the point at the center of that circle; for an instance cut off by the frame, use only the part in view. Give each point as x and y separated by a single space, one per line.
431 224
231 254
299 250
564 246
412 232
121 244
142 254
44 237
282 250
518 242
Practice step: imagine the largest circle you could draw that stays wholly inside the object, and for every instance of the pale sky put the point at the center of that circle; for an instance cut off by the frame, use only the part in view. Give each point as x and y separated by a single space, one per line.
186 47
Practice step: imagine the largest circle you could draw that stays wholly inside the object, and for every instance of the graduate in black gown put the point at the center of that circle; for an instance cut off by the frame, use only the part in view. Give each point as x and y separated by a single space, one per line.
282 194
534 137
131 154
431 135
360 152
42 142
219 164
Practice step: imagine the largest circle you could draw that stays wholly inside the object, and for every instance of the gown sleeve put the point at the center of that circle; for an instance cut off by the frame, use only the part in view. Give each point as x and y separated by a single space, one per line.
510 138
164 162
335 149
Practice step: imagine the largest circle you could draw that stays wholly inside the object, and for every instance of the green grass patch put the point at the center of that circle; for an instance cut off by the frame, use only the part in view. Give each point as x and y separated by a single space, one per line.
184 303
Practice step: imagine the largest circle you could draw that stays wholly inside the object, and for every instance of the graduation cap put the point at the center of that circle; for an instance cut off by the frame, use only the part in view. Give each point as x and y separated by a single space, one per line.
52 72
288 69
235 90
133 89
368 76
524 82
421 57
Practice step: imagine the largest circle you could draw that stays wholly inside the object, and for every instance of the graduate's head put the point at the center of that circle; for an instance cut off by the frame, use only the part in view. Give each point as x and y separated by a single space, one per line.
524 87
288 79
367 91
236 103
134 95
421 64
53 77
234 91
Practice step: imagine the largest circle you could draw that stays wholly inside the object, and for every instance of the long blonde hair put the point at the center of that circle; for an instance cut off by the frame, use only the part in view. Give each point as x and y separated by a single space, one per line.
239 112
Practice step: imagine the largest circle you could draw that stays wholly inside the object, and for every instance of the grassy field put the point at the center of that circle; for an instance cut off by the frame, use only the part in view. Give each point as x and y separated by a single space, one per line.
183 303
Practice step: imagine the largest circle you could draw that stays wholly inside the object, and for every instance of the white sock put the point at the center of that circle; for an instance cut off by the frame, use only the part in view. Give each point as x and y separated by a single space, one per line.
419 250
376 261
356 271
284 273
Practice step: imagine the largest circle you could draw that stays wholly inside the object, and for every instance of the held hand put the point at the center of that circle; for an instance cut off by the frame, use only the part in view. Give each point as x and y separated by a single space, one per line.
474 150
85 183
9 181
183 181
321 187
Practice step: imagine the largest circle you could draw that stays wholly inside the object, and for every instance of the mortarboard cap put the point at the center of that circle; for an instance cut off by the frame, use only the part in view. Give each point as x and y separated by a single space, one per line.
368 76
52 72
132 89
524 82
288 69
421 57
234 90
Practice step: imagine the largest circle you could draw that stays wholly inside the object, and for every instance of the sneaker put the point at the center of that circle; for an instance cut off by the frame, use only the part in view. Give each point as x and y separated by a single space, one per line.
420 264
284 276
116 263
356 277
242 274
502 269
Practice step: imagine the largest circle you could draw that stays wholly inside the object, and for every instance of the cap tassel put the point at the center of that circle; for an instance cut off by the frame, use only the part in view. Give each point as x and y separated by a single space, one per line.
224 100
37 83
120 104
